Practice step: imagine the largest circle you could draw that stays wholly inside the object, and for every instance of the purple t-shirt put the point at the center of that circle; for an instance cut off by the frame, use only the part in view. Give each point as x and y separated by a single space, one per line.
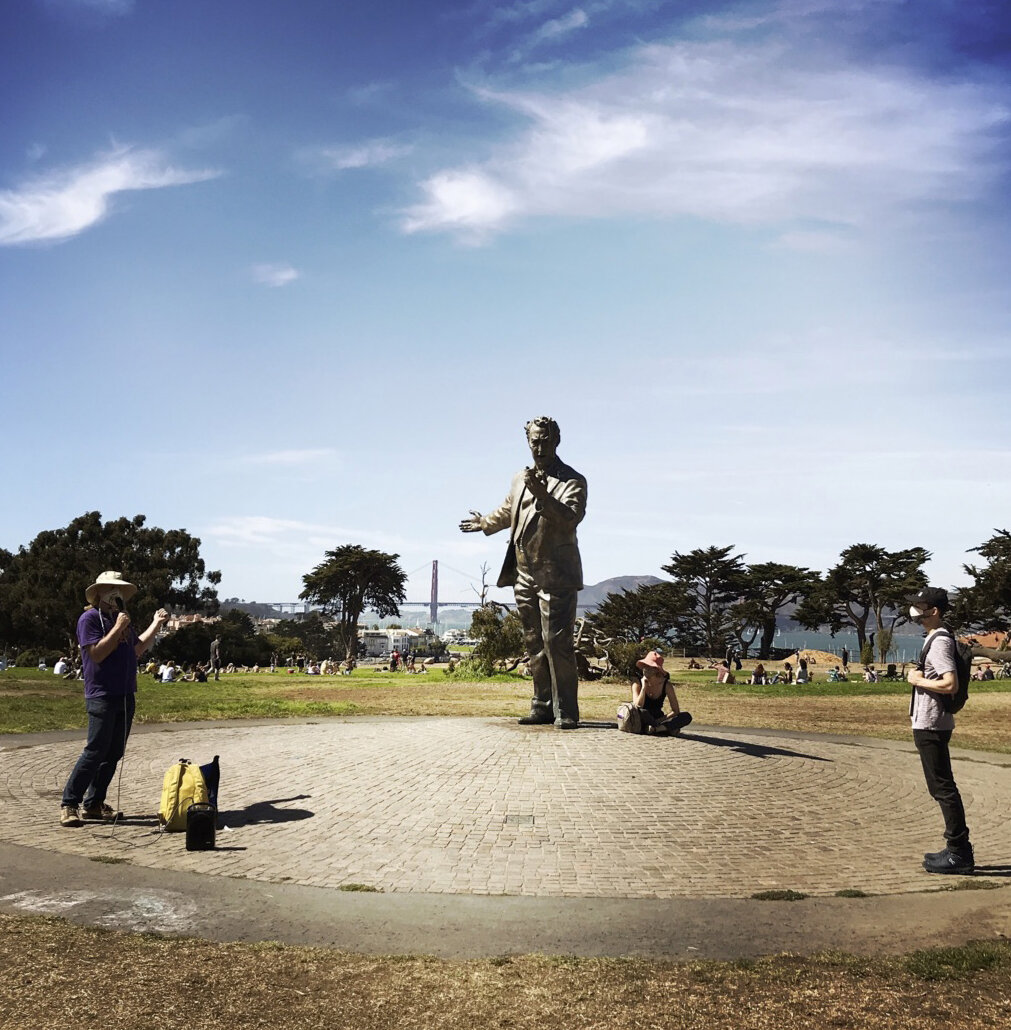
115 676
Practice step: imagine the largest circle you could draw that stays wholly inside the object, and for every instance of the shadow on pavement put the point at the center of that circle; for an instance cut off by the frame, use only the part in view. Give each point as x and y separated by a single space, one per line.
265 812
751 750
993 870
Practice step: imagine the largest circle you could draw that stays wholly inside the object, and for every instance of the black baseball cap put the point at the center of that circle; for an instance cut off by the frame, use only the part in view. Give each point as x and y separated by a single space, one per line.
931 597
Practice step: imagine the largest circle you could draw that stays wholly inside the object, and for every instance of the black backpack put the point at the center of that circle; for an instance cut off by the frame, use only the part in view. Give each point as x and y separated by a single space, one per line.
963 669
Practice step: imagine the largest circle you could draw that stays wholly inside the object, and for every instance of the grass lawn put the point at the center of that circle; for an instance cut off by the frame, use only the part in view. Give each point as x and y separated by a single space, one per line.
137 982
34 701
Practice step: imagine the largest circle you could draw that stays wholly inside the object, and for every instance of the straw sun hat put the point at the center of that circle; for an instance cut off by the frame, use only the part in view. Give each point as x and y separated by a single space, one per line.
110 579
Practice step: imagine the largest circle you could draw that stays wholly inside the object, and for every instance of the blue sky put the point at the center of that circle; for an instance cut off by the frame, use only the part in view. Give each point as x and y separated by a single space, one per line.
296 275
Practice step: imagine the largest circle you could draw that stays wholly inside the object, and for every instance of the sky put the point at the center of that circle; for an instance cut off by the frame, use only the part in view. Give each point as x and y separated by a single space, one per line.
295 275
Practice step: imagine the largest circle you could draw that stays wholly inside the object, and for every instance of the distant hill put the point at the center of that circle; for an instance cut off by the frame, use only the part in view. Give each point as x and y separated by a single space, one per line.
591 596
256 609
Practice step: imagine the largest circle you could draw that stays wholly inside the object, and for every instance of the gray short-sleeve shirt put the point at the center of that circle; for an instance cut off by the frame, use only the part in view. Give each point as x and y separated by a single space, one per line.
926 709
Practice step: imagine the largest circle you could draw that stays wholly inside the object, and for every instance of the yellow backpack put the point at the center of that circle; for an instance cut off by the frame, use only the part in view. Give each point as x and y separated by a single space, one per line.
182 786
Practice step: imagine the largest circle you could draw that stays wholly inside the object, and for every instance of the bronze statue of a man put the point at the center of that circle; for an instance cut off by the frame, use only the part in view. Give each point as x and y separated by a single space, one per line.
543 508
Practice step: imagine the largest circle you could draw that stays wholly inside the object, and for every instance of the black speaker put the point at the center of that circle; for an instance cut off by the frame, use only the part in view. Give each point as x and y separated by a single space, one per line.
201 822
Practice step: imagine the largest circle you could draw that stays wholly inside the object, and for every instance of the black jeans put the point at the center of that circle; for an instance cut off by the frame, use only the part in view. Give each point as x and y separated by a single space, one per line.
109 722
933 748
672 722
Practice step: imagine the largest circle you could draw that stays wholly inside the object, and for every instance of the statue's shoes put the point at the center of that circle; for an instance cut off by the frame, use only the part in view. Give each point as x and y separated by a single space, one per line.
536 720
567 724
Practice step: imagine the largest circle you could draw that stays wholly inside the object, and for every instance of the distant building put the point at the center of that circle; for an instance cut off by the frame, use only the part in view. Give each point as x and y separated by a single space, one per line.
178 621
384 641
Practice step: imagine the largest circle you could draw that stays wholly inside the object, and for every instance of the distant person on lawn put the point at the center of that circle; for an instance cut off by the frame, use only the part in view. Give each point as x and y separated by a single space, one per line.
110 648
215 657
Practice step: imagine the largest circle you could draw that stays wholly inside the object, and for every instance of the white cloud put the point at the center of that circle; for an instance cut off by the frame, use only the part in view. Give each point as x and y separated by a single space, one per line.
247 530
370 93
114 7
65 203
292 537
742 133
577 18
816 242
471 202
275 275
309 456
362 155
521 11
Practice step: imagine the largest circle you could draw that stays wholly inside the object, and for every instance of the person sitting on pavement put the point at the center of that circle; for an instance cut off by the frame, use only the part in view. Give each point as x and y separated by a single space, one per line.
648 694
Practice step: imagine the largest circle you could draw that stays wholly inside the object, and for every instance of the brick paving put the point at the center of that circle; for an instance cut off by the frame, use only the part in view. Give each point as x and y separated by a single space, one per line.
486 807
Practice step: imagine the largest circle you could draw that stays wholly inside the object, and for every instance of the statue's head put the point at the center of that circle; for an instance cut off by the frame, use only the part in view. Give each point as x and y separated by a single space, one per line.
543 435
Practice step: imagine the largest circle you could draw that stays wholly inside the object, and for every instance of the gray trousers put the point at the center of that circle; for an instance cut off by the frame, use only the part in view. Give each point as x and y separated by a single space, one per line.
548 621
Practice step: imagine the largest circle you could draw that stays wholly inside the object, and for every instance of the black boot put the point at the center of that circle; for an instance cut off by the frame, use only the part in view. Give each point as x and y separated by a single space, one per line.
954 861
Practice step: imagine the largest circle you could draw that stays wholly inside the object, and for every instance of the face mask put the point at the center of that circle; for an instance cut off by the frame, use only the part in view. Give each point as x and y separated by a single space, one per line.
113 598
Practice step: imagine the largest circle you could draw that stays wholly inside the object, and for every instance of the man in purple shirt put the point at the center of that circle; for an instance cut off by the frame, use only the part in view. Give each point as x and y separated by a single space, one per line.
110 648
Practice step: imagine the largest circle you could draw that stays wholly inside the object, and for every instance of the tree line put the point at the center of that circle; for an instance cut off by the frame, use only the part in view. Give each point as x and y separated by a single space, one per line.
42 593
714 599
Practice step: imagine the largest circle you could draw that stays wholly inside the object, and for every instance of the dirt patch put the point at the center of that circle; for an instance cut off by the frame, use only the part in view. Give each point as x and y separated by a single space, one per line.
199 985
984 724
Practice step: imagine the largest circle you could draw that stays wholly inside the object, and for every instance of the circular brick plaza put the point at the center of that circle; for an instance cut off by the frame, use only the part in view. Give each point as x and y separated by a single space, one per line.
487 807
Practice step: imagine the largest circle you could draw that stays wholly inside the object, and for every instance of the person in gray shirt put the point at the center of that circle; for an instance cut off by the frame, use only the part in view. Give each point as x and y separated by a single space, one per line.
934 681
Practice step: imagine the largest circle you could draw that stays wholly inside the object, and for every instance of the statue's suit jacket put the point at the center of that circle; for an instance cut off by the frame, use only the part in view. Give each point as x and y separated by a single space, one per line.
545 533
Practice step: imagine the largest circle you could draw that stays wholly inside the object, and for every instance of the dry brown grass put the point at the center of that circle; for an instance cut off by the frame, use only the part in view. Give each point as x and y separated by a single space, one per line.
984 724
55 974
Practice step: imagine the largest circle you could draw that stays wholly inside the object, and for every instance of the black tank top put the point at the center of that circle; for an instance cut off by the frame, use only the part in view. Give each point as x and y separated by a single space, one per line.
654 705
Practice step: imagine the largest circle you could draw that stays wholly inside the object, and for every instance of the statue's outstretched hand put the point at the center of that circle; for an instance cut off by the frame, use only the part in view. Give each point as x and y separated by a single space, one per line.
473 524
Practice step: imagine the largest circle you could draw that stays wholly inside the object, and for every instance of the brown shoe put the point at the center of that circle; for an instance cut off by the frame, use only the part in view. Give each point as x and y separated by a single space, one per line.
70 816
100 814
